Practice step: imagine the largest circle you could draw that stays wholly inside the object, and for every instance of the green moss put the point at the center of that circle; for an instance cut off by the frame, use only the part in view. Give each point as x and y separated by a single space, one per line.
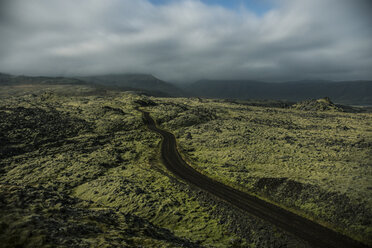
327 154
106 171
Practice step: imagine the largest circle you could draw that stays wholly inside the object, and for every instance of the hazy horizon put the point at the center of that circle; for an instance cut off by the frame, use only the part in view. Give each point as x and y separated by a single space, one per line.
185 82
189 40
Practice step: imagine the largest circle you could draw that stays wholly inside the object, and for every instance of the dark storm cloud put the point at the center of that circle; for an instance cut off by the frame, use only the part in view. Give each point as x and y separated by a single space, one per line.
187 40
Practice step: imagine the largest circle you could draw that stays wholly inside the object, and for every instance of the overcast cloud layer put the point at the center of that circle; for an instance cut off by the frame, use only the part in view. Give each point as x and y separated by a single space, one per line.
187 40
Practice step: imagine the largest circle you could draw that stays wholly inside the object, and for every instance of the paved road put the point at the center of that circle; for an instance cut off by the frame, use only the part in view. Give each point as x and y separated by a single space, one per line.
315 234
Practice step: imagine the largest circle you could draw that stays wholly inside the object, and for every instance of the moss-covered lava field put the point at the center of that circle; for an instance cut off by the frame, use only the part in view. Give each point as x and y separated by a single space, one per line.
79 168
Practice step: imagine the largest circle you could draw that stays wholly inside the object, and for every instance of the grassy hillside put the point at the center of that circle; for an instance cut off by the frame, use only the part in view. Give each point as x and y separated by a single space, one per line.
315 161
78 168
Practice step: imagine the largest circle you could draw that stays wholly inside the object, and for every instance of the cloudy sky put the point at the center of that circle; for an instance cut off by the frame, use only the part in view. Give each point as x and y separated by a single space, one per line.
186 40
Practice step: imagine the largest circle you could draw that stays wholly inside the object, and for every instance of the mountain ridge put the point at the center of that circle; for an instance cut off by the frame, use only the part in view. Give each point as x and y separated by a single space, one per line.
358 92
146 82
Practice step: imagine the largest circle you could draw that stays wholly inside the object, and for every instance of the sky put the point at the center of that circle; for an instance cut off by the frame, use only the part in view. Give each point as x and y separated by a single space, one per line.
189 40
257 6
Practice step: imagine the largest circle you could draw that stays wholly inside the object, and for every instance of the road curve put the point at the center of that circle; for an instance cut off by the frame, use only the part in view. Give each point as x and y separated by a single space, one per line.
315 234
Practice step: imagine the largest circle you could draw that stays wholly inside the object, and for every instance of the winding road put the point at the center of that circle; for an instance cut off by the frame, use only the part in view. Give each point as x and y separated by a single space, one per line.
311 232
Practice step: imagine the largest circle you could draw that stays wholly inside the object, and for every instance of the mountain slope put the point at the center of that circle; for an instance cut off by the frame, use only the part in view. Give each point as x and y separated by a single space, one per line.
6 79
147 83
133 82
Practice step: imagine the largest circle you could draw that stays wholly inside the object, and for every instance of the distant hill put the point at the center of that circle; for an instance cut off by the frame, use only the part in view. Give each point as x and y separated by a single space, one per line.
144 82
4 76
346 92
6 79
353 92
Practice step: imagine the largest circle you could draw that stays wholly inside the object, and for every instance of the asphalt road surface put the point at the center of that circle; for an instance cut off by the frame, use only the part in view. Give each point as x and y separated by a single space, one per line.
311 232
